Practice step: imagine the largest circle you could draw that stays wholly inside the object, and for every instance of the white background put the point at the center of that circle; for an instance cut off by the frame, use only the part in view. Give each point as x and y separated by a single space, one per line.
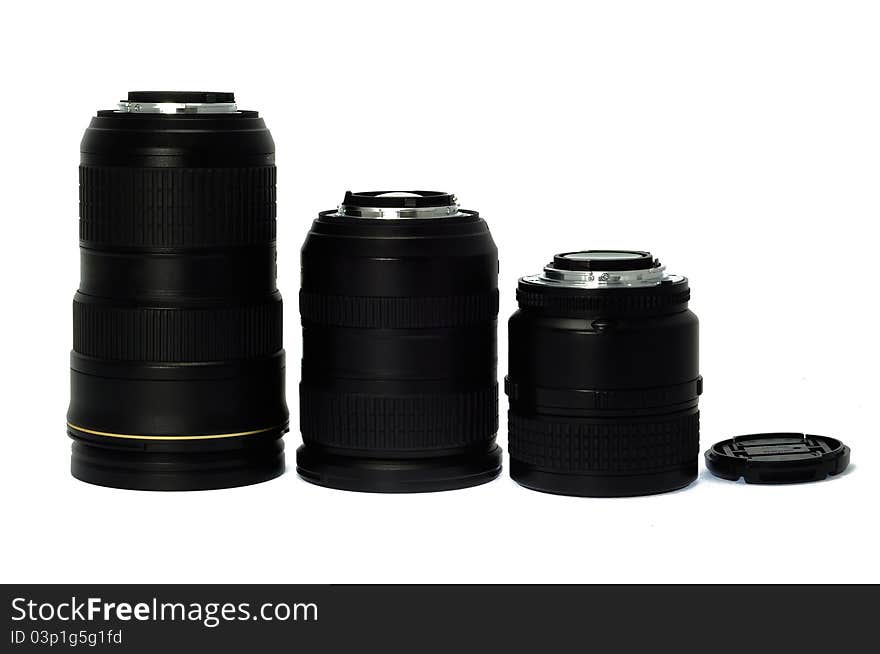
739 141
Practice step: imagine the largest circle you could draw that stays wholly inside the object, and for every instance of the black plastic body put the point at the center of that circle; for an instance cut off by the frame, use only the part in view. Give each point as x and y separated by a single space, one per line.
603 387
399 390
177 369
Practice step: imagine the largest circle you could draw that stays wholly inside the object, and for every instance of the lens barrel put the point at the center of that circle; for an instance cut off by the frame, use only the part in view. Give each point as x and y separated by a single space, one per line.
177 369
399 307
603 377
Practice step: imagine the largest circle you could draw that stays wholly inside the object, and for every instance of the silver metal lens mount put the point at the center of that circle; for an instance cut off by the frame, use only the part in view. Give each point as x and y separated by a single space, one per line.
395 213
553 276
129 107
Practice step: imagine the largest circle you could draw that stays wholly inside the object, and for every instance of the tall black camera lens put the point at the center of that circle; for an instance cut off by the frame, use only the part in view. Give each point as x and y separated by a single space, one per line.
399 307
177 369
603 377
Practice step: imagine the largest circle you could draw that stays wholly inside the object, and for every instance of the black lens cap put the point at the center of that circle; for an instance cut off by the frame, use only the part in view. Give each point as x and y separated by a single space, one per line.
780 458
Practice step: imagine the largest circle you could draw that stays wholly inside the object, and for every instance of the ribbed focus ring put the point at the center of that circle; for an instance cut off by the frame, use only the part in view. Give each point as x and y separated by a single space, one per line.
404 422
604 447
626 301
176 207
177 335
398 312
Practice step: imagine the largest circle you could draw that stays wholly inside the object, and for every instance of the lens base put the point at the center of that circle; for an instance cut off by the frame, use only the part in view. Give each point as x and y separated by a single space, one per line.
412 475
581 485
102 465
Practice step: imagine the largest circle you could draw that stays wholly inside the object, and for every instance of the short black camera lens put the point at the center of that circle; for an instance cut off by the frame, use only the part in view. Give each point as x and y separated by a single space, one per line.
399 307
603 377
177 369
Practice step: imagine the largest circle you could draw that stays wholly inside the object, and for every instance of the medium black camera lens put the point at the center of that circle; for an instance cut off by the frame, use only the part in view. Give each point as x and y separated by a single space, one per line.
399 306
177 369
603 377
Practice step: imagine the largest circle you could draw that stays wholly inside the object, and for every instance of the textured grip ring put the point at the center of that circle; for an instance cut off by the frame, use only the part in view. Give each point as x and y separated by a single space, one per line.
179 334
176 207
402 422
398 312
626 301
605 447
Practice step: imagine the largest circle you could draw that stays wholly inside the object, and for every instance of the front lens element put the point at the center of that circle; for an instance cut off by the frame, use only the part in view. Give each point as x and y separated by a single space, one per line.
177 369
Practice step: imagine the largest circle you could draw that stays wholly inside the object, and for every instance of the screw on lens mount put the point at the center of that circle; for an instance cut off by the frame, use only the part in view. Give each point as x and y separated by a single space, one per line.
603 378
177 369
399 307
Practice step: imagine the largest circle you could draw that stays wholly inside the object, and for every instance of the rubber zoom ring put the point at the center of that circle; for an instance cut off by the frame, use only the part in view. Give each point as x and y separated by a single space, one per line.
398 312
404 422
626 301
604 447
176 207
177 335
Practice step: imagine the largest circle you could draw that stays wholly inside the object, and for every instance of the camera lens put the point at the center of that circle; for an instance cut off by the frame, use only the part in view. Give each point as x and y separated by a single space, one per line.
603 377
399 306
177 369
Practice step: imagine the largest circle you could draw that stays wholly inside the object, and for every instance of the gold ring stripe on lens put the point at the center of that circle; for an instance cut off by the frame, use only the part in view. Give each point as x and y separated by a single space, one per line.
199 437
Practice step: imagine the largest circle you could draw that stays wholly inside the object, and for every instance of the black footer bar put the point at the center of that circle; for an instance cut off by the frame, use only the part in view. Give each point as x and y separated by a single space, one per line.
165 619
